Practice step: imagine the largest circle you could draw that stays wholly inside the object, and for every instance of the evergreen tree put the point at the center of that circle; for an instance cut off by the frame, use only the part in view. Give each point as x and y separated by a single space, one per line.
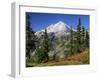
87 39
83 33
83 38
71 40
41 53
30 37
78 36
46 44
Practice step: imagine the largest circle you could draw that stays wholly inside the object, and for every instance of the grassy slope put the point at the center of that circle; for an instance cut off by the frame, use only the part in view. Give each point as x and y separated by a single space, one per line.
75 59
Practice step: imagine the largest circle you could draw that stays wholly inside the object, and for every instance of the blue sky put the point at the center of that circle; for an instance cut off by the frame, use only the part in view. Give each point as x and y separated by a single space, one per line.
42 20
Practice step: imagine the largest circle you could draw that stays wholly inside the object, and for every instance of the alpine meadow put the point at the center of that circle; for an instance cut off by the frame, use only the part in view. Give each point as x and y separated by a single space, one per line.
56 39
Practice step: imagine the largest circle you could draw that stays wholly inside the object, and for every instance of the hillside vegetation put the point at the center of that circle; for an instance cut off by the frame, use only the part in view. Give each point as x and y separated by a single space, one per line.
76 59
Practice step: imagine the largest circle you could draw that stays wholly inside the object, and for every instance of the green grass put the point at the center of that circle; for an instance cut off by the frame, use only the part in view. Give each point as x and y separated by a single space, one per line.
54 63
83 60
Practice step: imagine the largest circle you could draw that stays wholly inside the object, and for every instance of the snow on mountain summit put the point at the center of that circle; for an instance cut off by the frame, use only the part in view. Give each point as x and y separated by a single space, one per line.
58 27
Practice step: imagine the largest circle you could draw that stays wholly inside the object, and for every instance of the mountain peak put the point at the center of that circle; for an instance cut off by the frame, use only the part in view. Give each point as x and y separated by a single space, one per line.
60 23
59 27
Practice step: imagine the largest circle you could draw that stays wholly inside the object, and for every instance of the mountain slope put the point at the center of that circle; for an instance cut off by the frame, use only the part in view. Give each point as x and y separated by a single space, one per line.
58 29
59 34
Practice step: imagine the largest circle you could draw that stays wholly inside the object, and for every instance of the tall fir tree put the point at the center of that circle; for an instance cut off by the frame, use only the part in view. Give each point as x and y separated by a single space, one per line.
46 44
79 36
41 53
87 39
30 37
71 40
83 38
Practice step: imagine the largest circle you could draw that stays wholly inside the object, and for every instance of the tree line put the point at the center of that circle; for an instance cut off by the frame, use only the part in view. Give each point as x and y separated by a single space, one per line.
42 49
79 40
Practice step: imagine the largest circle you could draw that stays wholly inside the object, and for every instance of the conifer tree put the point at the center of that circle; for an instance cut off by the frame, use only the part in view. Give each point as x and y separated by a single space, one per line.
71 40
87 39
41 53
79 36
46 44
30 37
83 38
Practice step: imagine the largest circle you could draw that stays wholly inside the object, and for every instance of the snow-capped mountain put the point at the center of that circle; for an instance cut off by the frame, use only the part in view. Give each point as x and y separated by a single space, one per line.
59 29
58 33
